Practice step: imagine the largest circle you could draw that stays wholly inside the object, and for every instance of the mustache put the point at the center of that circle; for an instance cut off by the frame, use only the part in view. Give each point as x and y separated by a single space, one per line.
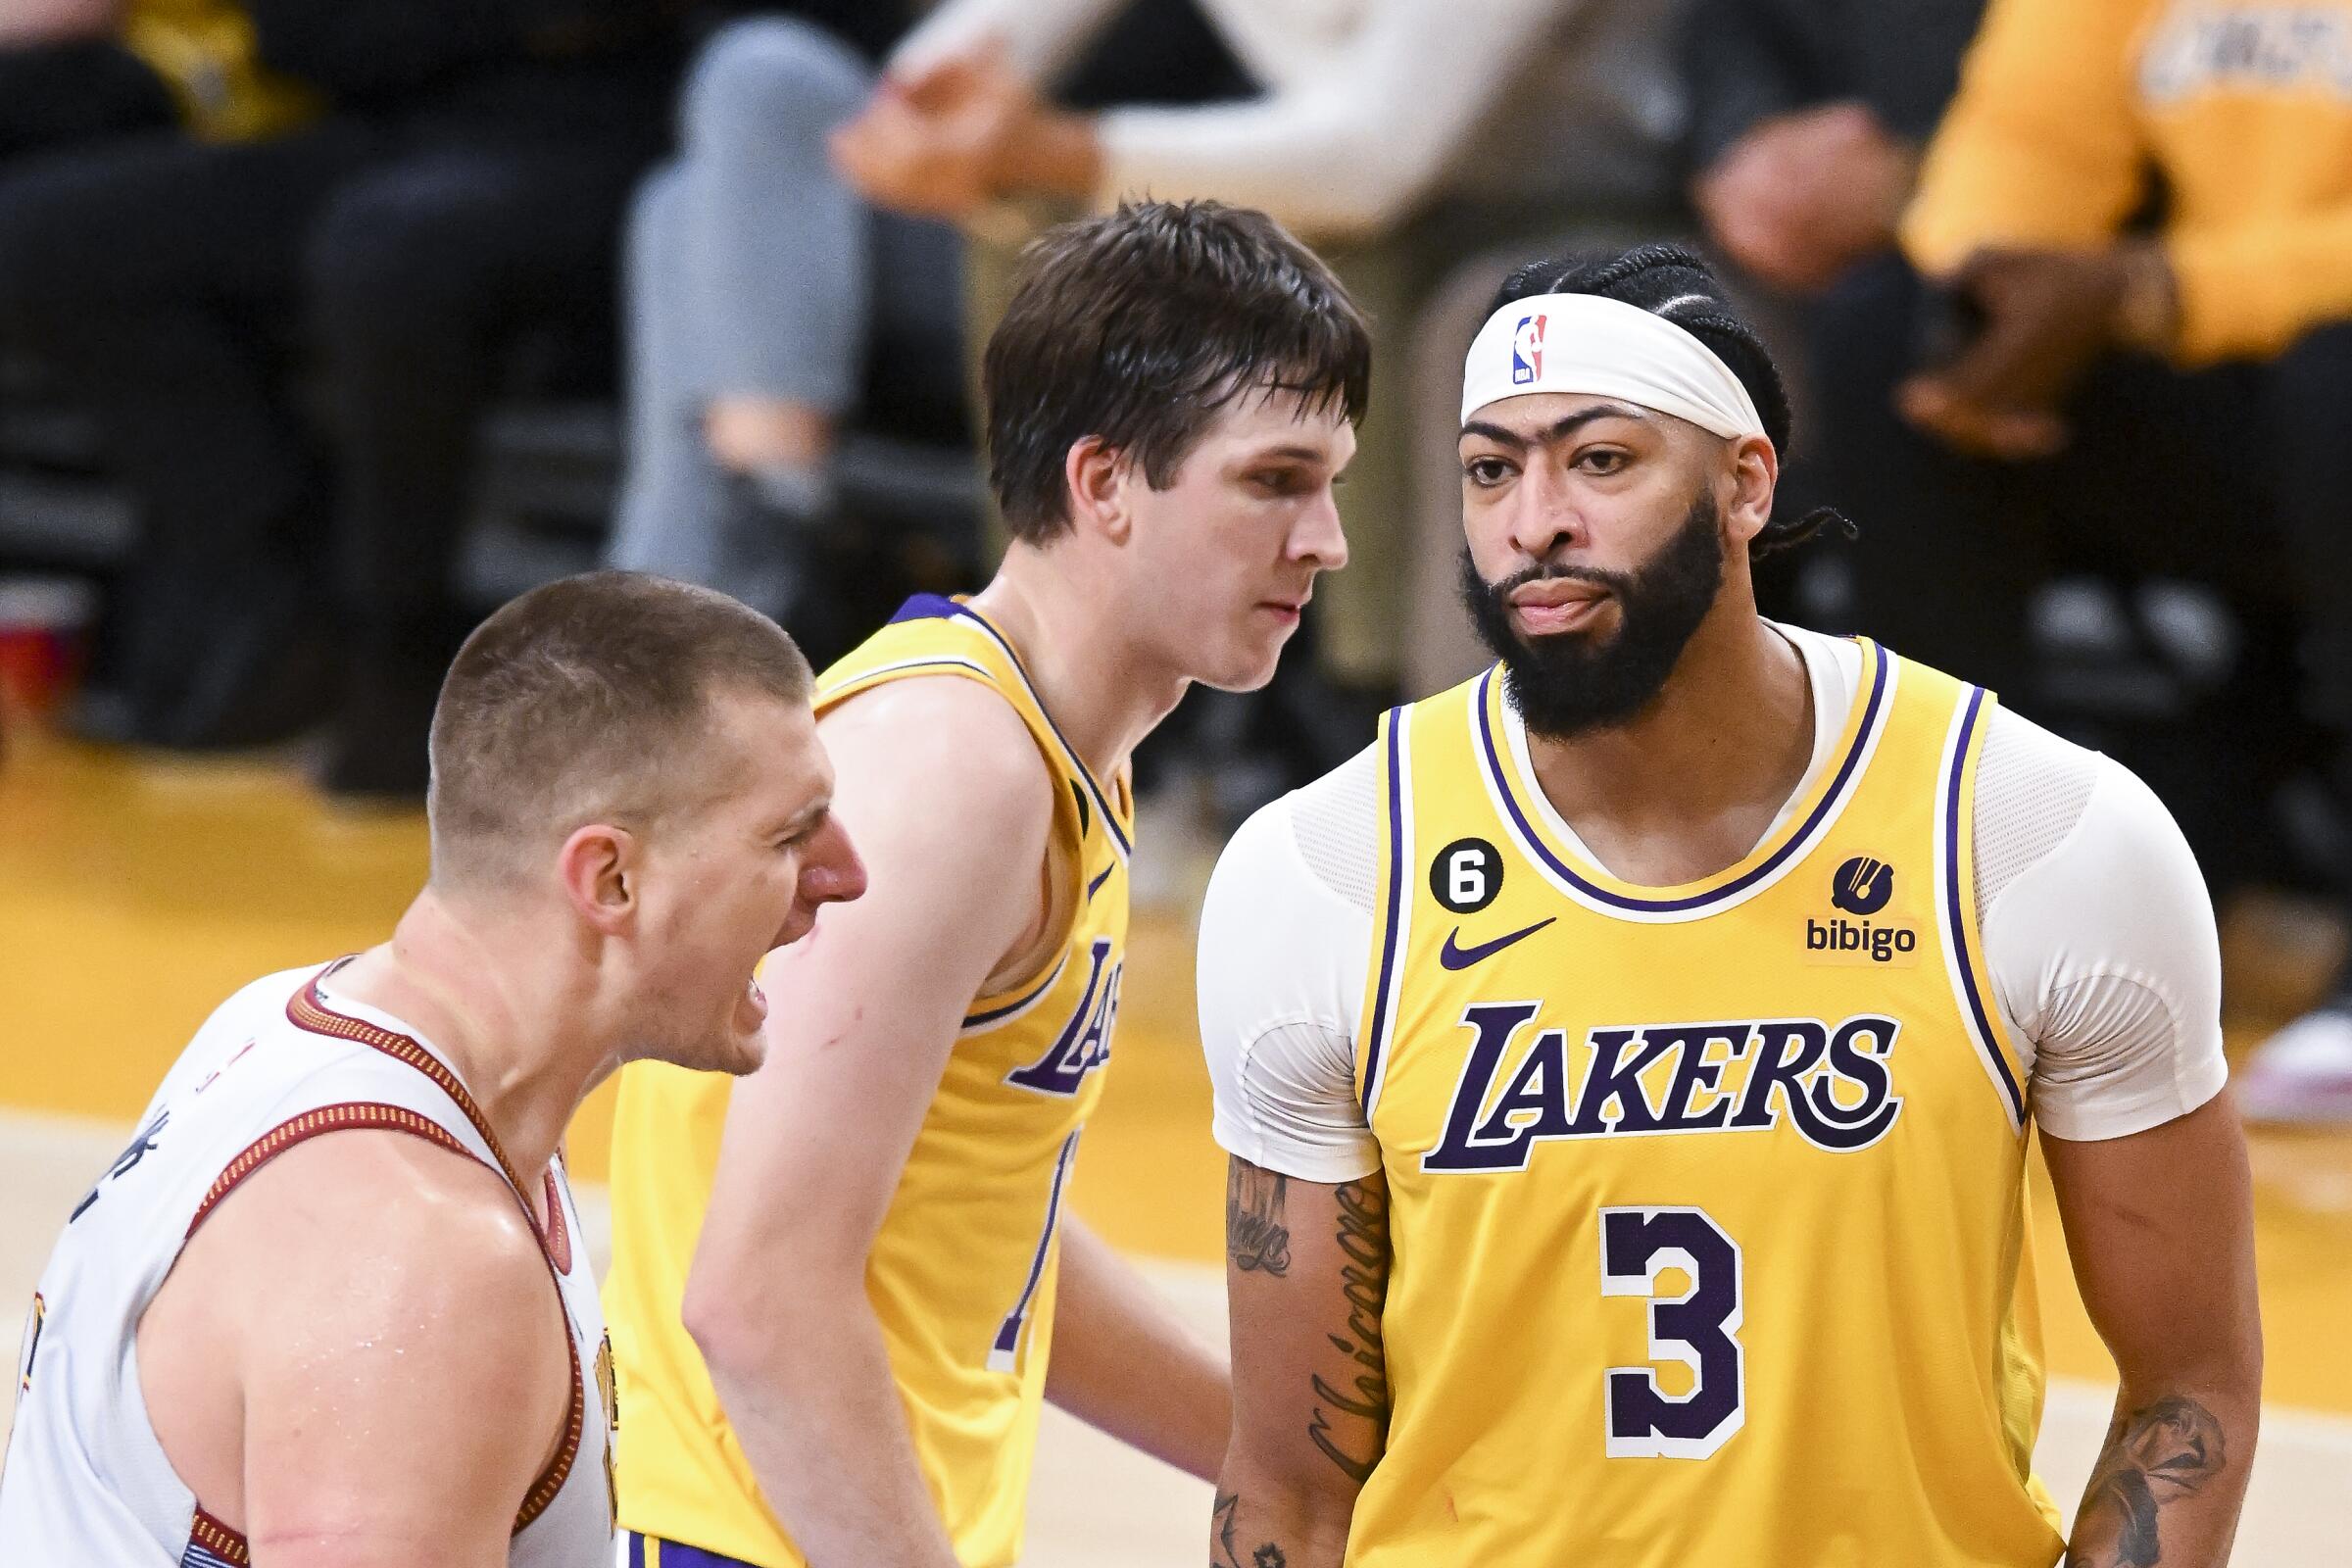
1554 571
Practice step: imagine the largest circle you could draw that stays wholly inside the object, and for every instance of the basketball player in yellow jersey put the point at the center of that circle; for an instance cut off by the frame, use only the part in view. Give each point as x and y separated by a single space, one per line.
1628 1060
834 1291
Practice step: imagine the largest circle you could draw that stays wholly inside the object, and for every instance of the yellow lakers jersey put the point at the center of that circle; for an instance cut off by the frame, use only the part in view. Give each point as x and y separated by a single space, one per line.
962 1272
1706 1201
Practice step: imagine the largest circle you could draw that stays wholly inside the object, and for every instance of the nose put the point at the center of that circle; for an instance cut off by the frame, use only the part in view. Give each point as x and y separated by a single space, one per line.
1319 535
1543 518
832 873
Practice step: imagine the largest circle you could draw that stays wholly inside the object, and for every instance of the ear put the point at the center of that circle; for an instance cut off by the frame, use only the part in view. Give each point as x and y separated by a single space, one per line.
599 866
1755 474
1094 479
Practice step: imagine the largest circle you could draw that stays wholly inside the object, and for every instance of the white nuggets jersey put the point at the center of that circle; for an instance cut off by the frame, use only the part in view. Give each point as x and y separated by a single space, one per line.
85 1482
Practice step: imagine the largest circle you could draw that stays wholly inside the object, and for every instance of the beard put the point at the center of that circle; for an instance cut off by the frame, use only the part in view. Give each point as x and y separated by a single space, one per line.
1568 683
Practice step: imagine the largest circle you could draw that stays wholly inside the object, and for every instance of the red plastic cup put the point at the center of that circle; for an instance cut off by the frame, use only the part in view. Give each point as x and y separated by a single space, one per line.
44 631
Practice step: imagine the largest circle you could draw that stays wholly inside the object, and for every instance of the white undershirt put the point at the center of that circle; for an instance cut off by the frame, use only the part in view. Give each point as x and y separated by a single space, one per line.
2097 932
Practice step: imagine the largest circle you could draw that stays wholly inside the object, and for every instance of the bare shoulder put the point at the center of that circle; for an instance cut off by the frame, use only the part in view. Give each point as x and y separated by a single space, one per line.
361 1334
952 748
364 1241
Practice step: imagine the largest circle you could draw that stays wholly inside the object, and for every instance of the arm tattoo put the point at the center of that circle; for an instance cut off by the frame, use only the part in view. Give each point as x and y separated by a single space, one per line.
1224 1553
1256 1238
1364 1280
2155 1455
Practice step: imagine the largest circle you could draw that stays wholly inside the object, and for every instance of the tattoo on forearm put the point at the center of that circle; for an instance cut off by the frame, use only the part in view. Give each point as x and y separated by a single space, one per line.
1364 1279
1256 1237
1225 1553
2154 1456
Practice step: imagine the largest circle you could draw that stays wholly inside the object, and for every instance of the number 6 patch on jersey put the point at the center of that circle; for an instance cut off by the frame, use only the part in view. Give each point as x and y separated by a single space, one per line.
1695 1329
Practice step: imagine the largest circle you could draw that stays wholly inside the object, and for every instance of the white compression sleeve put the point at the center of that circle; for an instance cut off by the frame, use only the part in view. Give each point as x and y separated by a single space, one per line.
2099 935
1281 974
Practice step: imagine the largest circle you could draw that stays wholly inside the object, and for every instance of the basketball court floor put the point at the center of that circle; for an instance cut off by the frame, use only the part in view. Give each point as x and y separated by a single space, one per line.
136 895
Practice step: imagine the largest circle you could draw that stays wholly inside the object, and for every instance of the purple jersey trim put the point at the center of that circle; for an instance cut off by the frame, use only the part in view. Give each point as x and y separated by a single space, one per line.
1831 800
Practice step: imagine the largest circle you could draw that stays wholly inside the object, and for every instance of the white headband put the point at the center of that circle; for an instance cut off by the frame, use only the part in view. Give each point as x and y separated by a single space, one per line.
1603 347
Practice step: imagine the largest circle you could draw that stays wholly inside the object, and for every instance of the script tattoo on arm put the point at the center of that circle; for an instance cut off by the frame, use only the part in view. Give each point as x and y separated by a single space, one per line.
1227 1553
2154 1456
1364 1237
1256 1238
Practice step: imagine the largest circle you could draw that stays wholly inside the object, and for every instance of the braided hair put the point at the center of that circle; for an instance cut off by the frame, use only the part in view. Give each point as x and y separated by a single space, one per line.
1670 281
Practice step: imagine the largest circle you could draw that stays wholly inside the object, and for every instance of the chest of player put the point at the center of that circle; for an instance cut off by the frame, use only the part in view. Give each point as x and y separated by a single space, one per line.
1789 1039
1812 1017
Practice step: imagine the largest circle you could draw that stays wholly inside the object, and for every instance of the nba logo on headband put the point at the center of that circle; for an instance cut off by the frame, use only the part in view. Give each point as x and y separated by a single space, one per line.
1527 350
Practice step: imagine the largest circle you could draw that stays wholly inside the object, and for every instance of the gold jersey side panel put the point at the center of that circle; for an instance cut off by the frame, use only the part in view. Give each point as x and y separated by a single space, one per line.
1706 1201
962 1274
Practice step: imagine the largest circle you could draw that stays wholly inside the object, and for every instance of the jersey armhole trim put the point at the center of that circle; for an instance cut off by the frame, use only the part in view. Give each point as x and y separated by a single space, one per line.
352 1115
575 1420
210 1543
1956 903
225 1543
1002 1004
1395 892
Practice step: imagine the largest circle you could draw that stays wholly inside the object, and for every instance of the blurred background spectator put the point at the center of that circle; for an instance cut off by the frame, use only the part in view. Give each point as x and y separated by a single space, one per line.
1398 136
462 186
2118 344
1807 117
73 70
772 310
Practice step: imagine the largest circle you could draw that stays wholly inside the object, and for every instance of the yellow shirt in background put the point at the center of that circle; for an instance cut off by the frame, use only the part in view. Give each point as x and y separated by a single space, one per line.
2243 108
205 52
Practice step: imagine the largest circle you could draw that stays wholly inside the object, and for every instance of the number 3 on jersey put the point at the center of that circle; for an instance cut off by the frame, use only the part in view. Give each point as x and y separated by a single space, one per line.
1695 1329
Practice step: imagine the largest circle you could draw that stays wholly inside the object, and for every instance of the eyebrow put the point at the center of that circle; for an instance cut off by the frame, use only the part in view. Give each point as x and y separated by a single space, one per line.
1559 431
808 817
1300 454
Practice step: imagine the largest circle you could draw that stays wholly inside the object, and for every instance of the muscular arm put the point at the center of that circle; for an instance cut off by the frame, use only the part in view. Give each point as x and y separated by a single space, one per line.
359 1361
1307 1276
942 788
1123 1363
2160 1226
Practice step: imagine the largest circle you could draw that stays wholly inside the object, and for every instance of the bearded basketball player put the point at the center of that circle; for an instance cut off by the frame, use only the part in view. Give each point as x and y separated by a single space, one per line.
332 1304
1628 1061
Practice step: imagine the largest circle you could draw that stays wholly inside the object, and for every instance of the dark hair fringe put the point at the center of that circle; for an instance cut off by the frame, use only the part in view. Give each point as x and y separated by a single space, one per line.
1138 326
1675 283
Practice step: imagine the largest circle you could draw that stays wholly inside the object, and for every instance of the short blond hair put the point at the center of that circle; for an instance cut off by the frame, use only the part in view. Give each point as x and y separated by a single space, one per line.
583 701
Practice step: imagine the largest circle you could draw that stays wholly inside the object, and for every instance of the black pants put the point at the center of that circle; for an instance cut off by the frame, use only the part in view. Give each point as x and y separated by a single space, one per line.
61 94
2239 476
174 287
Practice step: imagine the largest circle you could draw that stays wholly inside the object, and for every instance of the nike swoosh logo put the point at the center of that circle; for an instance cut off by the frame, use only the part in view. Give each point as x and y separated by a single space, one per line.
1455 957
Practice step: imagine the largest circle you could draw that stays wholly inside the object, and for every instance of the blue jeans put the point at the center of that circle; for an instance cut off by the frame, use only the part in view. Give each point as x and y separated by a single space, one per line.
752 269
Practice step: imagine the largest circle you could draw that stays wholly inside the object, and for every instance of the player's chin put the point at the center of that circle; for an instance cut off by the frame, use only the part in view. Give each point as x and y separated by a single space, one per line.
1246 662
742 1042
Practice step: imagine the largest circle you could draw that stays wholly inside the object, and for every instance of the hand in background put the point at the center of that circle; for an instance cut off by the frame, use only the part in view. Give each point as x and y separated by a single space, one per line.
2048 317
963 132
1803 196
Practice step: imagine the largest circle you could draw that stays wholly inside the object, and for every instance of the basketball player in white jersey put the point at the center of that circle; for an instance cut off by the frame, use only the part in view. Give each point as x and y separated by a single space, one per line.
1451 995
332 1304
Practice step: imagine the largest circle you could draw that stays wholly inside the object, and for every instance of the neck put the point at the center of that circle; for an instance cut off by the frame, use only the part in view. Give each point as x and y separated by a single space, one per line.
503 1019
1687 787
1104 691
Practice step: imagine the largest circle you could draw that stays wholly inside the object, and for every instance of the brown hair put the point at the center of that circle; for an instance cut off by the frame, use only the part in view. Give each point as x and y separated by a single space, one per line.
1139 327
582 701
